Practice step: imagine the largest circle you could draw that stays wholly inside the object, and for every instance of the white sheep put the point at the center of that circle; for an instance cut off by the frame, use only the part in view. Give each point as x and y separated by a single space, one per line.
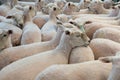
19 52
108 4
39 4
17 32
49 29
97 7
28 68
69 8
31 32
7 6
91 70
81 54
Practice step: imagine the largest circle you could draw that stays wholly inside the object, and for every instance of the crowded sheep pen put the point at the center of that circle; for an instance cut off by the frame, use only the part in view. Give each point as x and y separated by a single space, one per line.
59 40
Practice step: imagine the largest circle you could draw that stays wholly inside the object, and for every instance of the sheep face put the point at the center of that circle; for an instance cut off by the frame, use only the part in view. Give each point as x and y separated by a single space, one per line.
32 11
56 10
72 6
18 19
40 4
86 3
95 5
29 13
77 38
4 38
47 8
4 35
60 3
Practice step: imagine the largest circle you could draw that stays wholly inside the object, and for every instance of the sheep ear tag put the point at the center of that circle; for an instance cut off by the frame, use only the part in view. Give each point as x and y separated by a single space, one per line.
82 28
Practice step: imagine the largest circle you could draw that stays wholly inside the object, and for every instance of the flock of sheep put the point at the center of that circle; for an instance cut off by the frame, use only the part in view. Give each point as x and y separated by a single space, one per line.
60 40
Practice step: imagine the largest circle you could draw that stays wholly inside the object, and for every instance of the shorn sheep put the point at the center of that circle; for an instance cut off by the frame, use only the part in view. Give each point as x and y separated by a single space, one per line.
29 67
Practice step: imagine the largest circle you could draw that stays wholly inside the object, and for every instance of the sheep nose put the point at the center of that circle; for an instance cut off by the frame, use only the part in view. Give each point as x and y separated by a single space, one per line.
88 7
89 41
21 26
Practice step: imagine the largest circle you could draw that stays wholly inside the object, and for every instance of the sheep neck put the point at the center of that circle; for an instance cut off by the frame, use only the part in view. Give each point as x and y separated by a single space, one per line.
56 39
27 18
53 17
64 46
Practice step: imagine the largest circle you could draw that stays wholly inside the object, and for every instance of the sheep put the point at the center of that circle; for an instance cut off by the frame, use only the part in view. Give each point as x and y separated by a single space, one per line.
41 20
97 19
104 47
81 54
115 66
60 3
31 32
97 7
15 19
48 7
49 29
39 4
7 6
17 9
108 33
69 8
91 27
83 4
19 52
111 15
4 8
91 70
17 32
115 11
108 4
29 67
118 16
5 39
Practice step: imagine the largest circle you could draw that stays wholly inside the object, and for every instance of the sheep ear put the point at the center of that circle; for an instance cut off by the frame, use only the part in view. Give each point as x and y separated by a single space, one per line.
9 17
71 22
54 8
69 4
30 7
67 32
10 31
59 22
106 59
88 22
113 7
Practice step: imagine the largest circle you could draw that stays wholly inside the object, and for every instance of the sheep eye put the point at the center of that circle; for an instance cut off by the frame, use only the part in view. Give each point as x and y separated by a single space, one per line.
4 35
82 35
